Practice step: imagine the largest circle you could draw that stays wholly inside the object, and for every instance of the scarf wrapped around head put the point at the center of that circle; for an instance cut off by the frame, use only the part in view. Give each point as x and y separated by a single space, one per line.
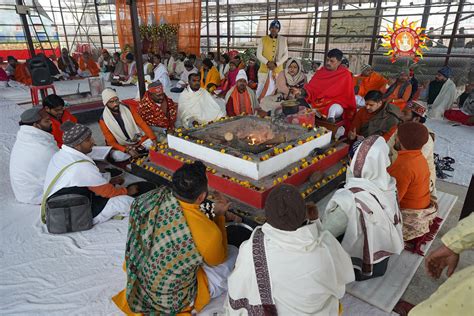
299 78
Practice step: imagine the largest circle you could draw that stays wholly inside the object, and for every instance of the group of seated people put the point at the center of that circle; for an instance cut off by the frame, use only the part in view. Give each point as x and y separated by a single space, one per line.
388 201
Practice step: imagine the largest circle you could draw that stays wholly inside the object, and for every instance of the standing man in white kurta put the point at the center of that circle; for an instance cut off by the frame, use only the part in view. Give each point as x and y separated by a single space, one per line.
272 52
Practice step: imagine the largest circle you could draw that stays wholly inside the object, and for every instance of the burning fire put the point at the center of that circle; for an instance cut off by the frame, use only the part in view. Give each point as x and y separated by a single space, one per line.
252 140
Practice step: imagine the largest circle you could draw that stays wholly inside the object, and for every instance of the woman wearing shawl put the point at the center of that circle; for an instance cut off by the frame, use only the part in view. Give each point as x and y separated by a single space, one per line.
292 77
230 77
252 72
210 77
223 65
131 76
365 212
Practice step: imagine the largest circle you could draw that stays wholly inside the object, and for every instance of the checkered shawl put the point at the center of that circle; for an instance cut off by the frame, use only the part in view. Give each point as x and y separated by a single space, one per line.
161 257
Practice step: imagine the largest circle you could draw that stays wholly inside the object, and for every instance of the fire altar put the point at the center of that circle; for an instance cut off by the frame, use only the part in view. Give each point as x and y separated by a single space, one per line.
247 156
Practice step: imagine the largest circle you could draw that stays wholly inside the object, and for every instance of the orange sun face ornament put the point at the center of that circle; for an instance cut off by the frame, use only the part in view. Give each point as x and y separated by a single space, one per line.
404 40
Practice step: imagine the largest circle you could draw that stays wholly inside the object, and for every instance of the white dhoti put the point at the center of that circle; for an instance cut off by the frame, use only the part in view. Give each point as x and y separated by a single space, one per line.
217 276
335 111
262 79
118 205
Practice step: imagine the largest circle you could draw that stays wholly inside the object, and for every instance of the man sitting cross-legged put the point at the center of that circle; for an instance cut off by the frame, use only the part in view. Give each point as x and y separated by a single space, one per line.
369 80
413 184
375 118
83 177
289 262
123 128
365 212
177 256
240 98
196 105
158 111
331 90
30 156
441 93
399 91
415 111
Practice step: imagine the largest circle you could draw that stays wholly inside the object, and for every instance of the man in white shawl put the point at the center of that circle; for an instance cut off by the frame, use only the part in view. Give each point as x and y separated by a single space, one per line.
366 211
82 176
288 266
441 93
30 156
184 77
160 72
240 98
196 105
123 128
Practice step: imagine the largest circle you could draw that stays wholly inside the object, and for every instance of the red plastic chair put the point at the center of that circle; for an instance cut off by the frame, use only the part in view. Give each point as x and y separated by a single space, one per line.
35 89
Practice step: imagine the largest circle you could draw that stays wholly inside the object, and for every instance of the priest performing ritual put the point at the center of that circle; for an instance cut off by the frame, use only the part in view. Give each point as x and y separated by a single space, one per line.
331 90
158 111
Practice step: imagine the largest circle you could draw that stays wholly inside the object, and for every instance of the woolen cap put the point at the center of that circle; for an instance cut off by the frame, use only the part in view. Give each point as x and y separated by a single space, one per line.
275 23
108 94
412 135
241 75
32 115
445 71
365 67
285 208
74 133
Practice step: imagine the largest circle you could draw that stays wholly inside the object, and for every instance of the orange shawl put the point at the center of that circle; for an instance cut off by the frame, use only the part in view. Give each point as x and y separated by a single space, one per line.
235 97
91 66
22 74
373 82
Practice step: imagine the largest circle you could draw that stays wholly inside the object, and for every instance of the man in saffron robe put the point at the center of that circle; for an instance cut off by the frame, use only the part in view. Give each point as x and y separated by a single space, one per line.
87 66
400 91
331 90
240 98
156 108
20 71
369 80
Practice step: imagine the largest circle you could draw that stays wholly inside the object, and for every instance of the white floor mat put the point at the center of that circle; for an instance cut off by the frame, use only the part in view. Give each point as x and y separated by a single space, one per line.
384 292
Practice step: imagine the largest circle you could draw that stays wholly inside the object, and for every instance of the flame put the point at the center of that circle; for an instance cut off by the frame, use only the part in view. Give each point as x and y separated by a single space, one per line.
252 141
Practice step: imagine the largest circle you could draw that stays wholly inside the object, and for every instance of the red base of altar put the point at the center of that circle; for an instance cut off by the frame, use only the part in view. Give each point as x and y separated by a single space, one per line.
250 196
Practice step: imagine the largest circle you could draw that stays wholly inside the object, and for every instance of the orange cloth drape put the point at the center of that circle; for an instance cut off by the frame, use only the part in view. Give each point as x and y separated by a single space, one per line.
185 13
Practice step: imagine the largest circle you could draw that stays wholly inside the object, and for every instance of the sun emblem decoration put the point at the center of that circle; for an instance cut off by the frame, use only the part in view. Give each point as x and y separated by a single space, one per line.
405 39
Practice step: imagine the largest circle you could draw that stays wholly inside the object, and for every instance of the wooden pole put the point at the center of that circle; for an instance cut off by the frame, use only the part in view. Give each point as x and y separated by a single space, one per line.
455 30
316 9
328 29
378 12
137 45
26 29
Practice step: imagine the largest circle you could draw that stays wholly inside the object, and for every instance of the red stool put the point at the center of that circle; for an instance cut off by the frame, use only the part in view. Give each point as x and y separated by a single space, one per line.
35 89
